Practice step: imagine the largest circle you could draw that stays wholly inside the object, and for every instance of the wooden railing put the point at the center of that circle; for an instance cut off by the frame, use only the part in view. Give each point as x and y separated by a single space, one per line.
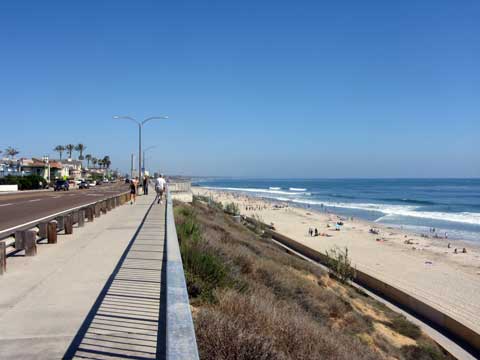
25 237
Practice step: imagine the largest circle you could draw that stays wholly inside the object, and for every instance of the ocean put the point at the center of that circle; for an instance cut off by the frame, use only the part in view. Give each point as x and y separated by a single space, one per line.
451 206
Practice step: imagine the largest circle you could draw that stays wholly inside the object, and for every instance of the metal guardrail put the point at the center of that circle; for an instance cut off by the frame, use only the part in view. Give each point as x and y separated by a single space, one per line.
26 239
181 343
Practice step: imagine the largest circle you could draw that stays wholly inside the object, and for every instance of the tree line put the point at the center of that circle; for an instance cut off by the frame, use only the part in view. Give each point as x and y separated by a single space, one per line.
80 148
104 162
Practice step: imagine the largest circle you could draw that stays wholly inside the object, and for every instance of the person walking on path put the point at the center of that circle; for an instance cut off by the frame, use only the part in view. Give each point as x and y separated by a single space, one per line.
160 185
133 191
145 185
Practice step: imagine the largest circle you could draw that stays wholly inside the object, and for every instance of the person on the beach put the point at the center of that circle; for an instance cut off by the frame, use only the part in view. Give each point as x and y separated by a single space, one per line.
160 185
133 191
316 232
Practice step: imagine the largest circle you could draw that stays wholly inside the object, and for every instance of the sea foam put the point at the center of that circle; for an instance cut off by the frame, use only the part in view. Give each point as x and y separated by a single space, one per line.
259 191
400 210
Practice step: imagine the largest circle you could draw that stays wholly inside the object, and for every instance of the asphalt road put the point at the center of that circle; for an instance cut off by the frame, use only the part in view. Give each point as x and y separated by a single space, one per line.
20 208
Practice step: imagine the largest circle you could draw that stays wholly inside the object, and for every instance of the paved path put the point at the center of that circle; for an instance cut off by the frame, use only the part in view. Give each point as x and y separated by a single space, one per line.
96 294
20 208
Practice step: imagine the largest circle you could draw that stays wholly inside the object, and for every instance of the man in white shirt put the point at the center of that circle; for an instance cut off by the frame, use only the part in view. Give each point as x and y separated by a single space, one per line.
160 186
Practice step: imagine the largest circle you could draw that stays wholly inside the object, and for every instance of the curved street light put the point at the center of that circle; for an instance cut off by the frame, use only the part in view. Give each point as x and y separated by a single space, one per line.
140 126
144 151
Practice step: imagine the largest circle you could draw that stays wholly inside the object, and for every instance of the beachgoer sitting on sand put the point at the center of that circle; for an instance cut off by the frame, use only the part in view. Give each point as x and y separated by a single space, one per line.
455 251
316 232
449 245
464 251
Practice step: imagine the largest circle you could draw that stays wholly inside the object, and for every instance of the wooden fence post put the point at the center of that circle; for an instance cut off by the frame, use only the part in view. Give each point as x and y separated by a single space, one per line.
90 213
3 257
103 206
42 230
52 232
81 218
68 223
30 242
109 204
19 240
97 210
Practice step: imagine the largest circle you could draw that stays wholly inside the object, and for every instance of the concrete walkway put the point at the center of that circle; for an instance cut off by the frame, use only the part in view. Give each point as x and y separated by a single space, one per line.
96 294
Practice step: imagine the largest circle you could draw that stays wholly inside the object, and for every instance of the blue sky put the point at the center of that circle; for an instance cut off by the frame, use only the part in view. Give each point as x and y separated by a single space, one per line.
252 88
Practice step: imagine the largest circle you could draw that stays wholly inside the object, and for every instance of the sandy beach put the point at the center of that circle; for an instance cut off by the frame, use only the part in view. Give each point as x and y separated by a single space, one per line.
424 267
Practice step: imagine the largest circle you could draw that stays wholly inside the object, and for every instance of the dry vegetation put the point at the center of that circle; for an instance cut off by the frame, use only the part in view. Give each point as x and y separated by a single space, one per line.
252 300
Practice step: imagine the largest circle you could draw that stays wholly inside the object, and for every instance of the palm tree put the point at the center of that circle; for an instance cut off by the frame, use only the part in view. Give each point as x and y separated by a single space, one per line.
69 148
80 148
106 161
94 161
100 163
60 149
88 157
11 152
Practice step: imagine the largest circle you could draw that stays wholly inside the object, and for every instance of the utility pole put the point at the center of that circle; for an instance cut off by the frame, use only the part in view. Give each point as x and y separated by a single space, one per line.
131 167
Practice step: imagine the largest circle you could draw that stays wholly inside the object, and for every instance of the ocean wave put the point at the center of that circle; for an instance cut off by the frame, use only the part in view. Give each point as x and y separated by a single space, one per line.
410 201
260 191
275 188
342 196
400 210
297 189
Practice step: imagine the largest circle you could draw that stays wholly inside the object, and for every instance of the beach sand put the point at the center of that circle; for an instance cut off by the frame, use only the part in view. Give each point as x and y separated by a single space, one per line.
422 267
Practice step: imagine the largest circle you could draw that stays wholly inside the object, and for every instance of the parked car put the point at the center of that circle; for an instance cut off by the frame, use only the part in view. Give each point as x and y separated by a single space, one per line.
84 185
99 182
91 183
61 185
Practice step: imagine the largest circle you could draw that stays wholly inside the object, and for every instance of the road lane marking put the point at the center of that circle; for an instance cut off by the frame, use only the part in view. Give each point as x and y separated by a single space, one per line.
55 197
49 216
34 200
6 204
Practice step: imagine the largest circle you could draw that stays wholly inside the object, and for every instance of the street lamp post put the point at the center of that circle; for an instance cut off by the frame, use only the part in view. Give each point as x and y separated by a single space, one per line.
144 151
140 126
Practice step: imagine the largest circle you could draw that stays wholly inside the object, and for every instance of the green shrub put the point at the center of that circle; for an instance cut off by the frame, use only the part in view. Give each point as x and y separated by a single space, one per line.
203 269
29 182
339 264
232 209
401 325
423 352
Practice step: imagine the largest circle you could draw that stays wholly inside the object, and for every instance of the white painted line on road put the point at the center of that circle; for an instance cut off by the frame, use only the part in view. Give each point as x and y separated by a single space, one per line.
6 204
34 200
55 197
50 216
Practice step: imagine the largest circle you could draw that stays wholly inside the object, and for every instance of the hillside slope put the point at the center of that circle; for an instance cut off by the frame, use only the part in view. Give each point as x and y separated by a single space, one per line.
252 300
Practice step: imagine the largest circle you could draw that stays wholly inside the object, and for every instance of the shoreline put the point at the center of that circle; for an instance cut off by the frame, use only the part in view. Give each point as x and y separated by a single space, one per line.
424 267
437 244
